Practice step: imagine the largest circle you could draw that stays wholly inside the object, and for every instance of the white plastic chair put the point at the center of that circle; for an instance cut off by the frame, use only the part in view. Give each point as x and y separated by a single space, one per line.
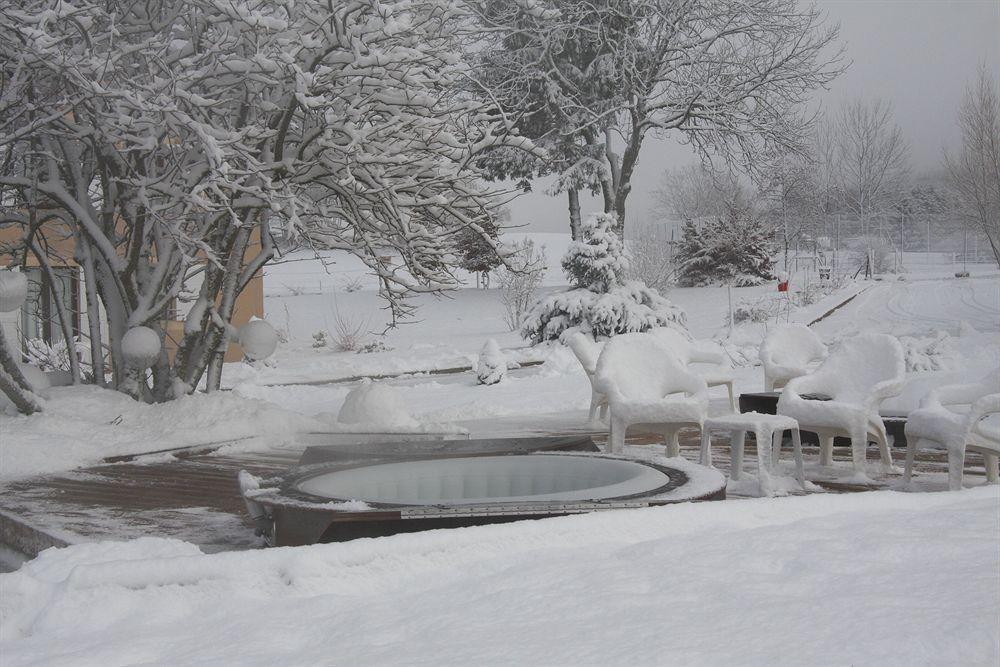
719 374
587 351
951 417
789 351
646 384
857 376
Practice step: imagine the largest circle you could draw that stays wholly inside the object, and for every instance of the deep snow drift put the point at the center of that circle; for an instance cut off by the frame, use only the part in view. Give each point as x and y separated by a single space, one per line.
878 578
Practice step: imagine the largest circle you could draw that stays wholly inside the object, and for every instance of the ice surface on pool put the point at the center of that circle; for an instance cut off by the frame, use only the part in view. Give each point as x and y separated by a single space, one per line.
488 479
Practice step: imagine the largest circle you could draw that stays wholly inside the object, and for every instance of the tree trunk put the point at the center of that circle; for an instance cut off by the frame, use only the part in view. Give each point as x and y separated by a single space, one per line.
13 383
65 323
574 213
93 310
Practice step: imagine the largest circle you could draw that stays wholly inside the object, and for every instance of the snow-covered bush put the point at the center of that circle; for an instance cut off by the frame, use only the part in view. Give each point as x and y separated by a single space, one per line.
649 257
349 332
54 357
735 248
374 346
492 365
760 310
601 301
319 339
519 283
930 353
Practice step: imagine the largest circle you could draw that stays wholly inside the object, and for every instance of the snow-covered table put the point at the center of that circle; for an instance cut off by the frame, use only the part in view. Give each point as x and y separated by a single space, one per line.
766 428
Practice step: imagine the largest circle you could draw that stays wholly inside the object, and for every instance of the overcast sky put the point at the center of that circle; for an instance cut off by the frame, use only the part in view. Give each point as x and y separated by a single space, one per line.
919 55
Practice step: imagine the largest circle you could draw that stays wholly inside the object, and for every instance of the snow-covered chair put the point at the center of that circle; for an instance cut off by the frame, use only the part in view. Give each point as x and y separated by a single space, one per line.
714 367
856 377
646 384
951 417
789 351
587 351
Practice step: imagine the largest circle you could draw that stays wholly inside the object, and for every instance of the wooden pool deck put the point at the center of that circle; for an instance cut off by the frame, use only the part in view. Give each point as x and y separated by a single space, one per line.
194 495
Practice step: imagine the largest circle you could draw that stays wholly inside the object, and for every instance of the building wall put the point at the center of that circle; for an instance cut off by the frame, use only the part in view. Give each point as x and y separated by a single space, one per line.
60 243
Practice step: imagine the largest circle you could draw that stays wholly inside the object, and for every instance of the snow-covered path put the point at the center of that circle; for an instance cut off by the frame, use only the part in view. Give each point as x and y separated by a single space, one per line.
879 578
919 307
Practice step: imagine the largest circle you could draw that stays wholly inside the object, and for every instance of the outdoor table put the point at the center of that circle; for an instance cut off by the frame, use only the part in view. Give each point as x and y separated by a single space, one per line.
766 428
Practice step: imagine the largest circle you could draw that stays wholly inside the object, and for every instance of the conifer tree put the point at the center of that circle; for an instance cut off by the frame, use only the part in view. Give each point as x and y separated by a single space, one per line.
600 300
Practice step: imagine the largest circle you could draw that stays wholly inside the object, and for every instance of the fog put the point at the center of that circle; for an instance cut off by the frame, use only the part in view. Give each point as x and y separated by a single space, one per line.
920 56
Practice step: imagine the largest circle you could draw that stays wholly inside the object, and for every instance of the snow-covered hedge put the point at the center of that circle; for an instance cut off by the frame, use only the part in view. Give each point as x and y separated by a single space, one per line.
600 302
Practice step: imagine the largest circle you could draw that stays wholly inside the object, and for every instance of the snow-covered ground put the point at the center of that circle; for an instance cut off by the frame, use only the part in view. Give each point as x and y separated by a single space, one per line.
882 578
294 393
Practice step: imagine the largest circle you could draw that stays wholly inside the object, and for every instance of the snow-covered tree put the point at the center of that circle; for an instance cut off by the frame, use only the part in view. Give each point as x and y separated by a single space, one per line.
730 78
871 158
735 248
520 279
172 139
477 251
974 172
600 301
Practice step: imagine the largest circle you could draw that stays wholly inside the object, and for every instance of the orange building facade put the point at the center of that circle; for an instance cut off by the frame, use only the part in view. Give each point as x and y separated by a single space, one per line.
38 317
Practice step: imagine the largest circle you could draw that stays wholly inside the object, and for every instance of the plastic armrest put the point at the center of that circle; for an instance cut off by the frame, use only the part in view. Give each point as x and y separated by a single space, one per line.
702 356
983 407
954 394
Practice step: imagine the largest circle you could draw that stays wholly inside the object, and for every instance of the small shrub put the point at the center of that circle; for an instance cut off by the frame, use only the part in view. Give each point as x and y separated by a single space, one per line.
353 284
374 346
319 339
519 283
348 333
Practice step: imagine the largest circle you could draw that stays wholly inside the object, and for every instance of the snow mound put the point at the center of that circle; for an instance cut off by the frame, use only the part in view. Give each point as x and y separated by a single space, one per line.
492 365
375 404
82 425
438 597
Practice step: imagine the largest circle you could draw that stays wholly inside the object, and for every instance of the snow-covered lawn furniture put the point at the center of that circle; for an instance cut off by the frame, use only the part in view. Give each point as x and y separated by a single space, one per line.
789 351
856 377
951 417
768 429
714 366
646 384
587 351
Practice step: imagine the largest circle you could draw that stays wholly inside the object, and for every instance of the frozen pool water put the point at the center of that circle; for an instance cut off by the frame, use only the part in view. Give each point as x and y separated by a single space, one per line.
469 480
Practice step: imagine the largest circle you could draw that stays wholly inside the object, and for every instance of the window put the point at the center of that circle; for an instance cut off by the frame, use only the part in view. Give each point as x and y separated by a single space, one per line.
40 315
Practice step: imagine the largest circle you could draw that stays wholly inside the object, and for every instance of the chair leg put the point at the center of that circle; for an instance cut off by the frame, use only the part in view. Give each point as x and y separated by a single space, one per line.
671 438
768 383
826 450
859 447
764 445
616 435
797 452
911 454
776 439
705 458
736 443
956 461
595 401
992 464
884 451
732 397
604 409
